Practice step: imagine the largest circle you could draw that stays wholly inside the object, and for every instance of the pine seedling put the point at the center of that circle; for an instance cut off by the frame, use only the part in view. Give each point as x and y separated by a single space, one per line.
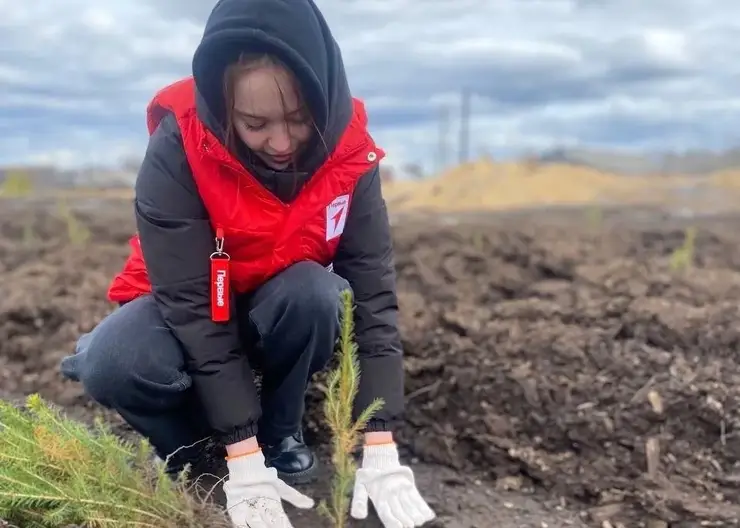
77 233
56 472
683 257
342 386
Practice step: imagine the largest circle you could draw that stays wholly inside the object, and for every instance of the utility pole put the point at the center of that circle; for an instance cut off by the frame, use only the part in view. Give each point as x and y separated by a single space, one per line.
444 129
464 125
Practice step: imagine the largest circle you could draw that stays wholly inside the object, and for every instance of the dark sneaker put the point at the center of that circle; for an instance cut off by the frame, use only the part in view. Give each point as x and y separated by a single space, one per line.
294 461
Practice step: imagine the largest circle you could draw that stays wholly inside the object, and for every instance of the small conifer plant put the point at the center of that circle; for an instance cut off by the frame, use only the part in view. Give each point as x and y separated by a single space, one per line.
77 233
56 472
342 387
682 258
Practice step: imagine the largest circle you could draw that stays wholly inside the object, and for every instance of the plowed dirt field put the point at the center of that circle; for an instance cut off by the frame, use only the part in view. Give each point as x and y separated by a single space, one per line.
549 356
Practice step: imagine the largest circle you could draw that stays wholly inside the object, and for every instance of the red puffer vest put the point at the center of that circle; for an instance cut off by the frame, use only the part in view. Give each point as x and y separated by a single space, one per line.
261 234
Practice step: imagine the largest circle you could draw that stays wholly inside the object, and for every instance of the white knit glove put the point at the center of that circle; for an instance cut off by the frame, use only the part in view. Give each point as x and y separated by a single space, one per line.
391 487
254 493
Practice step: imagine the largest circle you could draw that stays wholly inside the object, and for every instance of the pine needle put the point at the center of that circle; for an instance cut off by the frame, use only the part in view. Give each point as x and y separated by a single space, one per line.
342 387
56 472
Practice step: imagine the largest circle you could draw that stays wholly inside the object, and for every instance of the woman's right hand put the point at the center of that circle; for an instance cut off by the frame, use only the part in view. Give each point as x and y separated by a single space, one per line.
254 494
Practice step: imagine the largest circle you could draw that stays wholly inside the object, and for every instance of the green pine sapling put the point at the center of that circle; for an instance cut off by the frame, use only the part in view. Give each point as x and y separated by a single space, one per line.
342 387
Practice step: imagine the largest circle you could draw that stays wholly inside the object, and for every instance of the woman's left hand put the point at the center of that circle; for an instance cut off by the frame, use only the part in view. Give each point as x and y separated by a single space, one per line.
391 487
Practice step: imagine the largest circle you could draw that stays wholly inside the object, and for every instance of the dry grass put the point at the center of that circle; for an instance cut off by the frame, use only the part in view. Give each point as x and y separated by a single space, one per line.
121 193
487 185
726 179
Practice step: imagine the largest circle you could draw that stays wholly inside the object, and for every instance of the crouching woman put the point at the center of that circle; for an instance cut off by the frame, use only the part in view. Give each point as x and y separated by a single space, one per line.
258 202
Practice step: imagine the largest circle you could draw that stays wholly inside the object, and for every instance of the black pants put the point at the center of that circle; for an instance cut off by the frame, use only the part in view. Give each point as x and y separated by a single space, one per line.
132 363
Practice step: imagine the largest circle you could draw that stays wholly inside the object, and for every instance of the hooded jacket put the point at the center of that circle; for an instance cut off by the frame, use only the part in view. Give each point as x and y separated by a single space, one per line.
173 224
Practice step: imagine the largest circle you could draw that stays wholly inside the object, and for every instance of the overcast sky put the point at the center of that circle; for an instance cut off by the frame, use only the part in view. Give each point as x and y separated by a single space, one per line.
75 75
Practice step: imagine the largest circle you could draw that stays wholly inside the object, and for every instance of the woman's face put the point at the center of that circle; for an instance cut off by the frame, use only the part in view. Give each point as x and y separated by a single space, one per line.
269 116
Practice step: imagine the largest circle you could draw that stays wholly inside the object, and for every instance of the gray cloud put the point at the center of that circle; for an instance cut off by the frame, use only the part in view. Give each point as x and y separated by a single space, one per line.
75 76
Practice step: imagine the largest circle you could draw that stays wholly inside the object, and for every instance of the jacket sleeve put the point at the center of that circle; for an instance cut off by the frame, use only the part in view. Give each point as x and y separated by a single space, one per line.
177 240
365 259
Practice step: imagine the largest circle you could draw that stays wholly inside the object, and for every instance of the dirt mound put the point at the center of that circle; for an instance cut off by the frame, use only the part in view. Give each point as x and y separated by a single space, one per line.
547 360
488 185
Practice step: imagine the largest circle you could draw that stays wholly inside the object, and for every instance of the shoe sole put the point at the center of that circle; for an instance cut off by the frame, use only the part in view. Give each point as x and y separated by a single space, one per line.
307 476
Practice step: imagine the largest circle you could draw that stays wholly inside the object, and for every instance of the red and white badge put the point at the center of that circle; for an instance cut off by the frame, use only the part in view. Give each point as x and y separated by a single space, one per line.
220 291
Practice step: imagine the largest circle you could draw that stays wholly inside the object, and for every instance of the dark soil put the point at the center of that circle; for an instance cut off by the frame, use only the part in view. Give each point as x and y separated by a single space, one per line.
546 354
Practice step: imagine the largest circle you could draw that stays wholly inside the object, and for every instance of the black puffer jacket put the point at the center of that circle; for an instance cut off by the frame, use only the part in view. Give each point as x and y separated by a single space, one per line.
173 224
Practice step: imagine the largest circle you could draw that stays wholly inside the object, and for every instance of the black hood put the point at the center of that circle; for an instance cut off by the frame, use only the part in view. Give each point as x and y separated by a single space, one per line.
296 33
